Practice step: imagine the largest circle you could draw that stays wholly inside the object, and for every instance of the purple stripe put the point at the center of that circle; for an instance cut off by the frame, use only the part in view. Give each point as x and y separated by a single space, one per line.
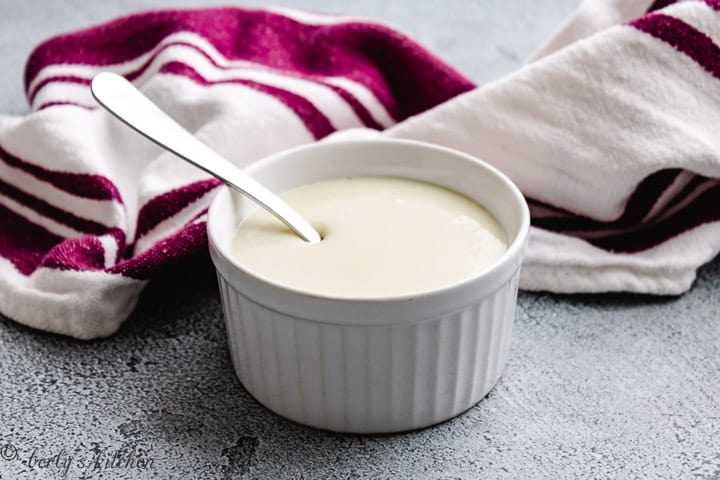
29 246
119 236
689 188
57 103
22 242
316 123
95 187
359 109
354 103
363 114
192 239
637 207
642 237
684 38
83 253
702 210
170 203
660 4
403 76
59 78
132 75
204 211
44 208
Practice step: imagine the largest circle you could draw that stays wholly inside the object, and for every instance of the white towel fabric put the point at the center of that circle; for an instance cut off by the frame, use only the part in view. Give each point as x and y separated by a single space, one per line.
592 123
609 132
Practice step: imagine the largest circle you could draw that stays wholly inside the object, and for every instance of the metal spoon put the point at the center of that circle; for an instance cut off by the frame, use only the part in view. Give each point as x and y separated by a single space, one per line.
127 103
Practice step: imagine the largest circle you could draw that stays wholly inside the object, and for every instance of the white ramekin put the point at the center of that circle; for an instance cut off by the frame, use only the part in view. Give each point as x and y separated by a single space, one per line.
383 364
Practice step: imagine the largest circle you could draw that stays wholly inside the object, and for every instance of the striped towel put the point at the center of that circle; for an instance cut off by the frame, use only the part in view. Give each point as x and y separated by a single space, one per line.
609 131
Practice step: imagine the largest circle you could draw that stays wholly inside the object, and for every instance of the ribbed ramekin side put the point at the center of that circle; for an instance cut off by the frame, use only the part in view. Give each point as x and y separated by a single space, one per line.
370 379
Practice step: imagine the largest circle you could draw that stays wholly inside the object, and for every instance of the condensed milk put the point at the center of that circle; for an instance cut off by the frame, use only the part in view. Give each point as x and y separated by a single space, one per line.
382 236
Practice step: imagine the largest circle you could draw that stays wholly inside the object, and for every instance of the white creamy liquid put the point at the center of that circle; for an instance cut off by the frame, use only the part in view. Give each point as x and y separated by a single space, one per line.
381 236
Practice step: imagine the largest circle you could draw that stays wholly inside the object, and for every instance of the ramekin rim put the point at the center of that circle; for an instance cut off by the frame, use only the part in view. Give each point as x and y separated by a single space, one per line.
513 251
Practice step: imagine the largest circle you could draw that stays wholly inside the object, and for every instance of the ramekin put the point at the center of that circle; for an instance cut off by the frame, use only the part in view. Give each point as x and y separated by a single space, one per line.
370 365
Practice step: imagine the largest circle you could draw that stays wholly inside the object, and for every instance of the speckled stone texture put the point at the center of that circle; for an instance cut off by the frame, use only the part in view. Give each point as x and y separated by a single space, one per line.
607 386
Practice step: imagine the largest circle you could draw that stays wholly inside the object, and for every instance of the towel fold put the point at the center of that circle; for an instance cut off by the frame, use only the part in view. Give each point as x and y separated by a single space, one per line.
609 132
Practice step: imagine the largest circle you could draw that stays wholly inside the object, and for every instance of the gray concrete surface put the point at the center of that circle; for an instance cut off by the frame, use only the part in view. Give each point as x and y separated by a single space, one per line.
607 386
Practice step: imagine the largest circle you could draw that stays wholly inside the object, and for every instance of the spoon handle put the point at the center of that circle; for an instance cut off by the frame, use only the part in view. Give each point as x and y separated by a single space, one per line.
122 99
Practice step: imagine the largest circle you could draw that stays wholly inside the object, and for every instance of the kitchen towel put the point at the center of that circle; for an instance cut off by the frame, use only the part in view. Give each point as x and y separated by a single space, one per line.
610 131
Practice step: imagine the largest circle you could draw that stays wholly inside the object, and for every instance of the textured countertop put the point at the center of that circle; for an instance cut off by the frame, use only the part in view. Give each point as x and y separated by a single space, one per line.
607 386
